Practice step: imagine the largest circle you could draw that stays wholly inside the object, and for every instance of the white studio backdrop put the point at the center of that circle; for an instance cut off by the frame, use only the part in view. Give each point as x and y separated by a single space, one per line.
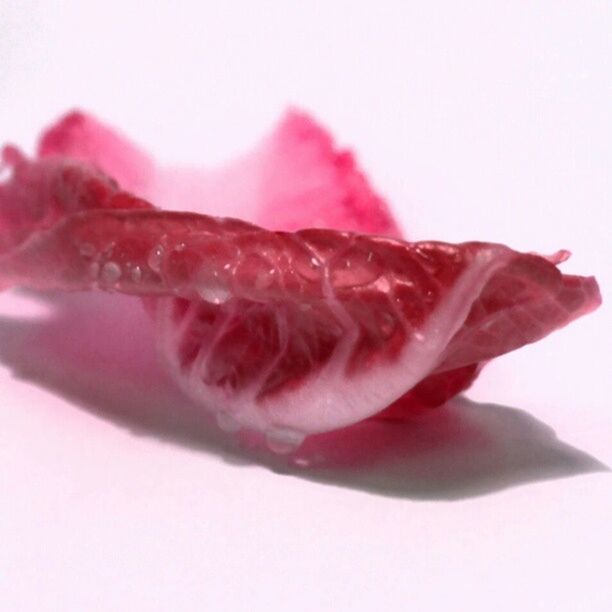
481 120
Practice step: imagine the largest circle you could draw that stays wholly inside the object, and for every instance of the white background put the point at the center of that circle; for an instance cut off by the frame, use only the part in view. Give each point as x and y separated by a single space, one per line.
487 120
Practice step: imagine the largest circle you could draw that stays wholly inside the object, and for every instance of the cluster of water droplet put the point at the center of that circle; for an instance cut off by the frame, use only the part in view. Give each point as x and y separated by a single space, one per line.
280 441
106 272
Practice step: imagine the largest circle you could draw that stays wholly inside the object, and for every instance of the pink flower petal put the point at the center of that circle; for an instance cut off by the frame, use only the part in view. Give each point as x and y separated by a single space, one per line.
295 178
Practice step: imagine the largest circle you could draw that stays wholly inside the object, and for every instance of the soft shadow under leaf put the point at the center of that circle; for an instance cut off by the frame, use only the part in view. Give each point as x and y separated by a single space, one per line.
97 351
